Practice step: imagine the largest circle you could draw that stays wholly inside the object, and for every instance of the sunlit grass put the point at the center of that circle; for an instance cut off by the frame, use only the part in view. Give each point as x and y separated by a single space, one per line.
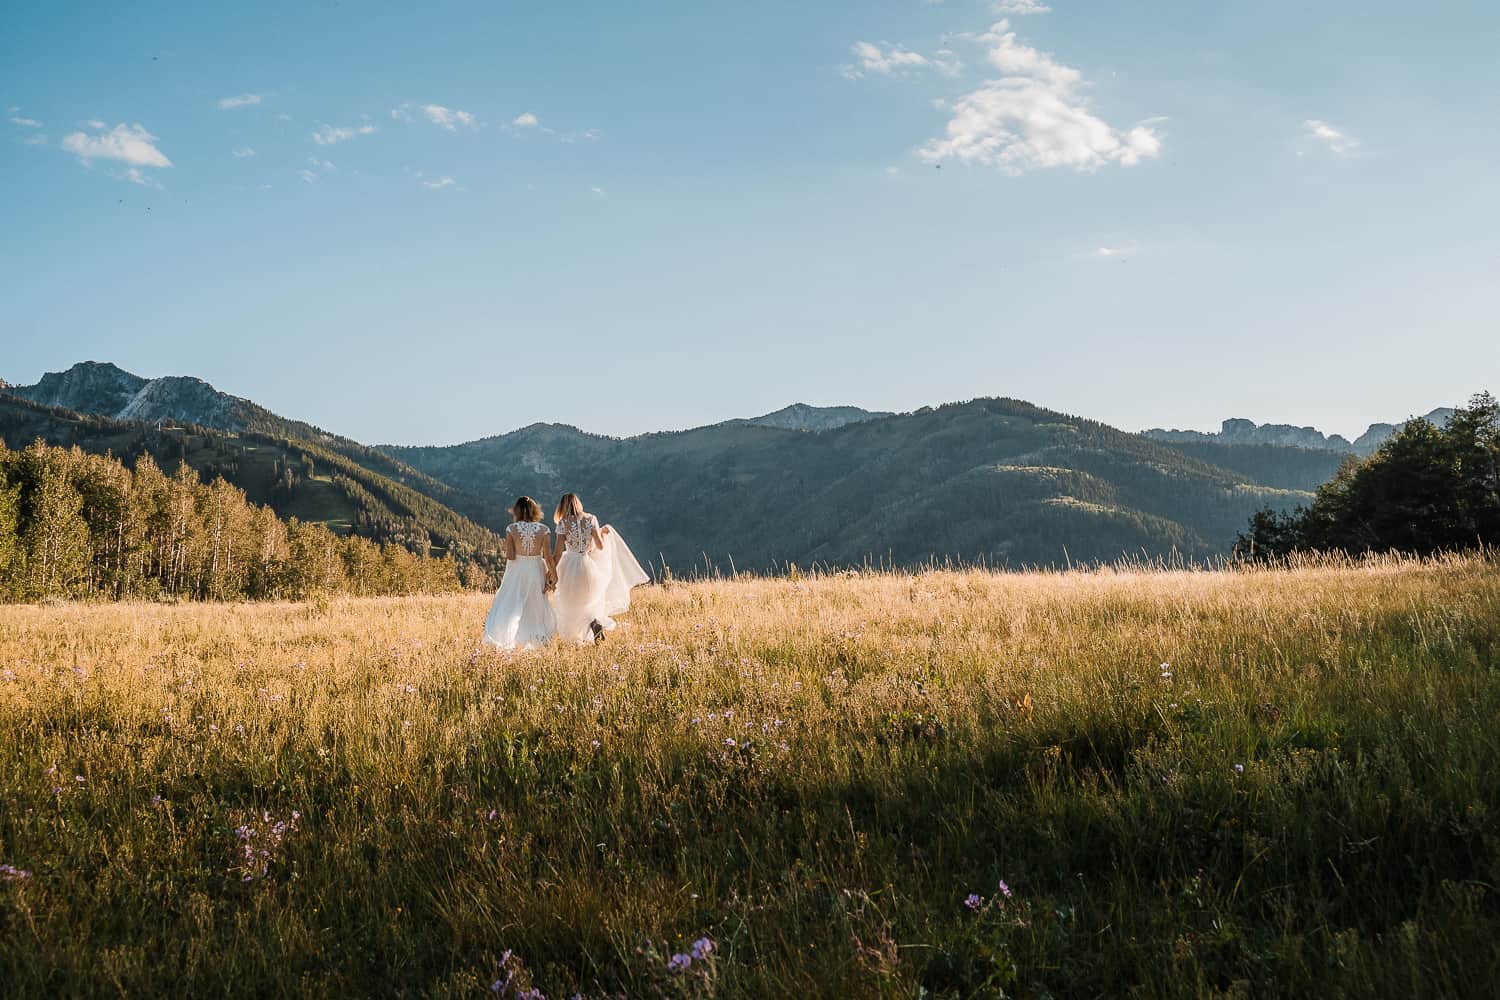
1263 782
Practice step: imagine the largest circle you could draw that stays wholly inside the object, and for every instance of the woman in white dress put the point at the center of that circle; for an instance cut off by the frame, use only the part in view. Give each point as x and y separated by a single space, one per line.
595 571
521 615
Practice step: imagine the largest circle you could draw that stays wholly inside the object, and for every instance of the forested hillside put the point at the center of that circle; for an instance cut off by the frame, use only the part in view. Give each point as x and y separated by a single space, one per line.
74 524
296 478
997 480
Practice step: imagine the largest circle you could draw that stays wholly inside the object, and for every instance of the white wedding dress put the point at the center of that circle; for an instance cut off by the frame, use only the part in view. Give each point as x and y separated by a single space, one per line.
521 615
593 584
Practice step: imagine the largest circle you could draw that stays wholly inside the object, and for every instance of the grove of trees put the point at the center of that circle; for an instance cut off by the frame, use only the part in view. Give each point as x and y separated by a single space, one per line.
1428 489
74 524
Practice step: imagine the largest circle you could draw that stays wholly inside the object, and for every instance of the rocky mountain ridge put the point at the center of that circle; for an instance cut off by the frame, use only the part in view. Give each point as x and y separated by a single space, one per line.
1239 431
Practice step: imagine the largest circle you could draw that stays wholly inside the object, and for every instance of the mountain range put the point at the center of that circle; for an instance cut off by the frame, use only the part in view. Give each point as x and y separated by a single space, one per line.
1239 431
995 480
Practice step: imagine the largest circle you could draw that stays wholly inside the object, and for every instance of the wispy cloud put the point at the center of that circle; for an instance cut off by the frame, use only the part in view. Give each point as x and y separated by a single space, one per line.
35 140
1021 7
1335 139
1120 251
243 152
886 59
16 118
598 190
583 135
1034 116
127 143
525 120
448 118
327 135
134 176
315 169
239 101
438 184
451 119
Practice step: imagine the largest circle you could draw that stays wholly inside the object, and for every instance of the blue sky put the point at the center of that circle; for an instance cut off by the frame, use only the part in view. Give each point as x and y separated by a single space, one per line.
428 223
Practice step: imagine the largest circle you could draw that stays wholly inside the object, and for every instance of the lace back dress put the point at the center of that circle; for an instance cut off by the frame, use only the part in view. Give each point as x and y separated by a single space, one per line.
593 584
521 615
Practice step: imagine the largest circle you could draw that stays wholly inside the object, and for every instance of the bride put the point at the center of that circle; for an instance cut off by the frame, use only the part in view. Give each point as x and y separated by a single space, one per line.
521 615
595 571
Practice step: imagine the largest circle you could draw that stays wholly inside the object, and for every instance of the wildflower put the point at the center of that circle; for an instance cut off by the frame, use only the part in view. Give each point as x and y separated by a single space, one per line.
78 777
702 948
1166 671
10 873
729 742
595 744
679 962
974 900
57 790
1005 889
1239 769
156 800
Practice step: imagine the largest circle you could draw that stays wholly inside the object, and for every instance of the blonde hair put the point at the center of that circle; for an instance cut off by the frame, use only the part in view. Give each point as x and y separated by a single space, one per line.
568 506
526 509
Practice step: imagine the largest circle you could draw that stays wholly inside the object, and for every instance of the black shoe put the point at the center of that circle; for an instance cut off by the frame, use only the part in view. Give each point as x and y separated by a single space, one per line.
598 631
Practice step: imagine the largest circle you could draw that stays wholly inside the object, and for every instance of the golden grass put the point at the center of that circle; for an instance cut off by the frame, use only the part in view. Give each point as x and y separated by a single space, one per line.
812 773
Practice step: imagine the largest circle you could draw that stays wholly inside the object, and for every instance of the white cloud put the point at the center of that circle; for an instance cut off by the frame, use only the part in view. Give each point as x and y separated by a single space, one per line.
128 143
242 152
587 135
1021 7
17 119
525 120
322 165
1335 139
1034 117
438 184
886 59
1124 250
327 135
308 176
239 101
448 118
598 190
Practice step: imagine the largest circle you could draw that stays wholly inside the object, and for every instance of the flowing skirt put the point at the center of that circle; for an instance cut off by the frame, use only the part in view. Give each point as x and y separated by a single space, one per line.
595 586
521 616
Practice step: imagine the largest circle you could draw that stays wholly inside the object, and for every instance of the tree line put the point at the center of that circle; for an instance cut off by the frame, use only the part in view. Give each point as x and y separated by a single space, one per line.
74 524
1428 489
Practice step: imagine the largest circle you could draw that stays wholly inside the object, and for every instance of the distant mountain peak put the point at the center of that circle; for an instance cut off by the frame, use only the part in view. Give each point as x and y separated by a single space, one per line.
105 389
1238 430
805 417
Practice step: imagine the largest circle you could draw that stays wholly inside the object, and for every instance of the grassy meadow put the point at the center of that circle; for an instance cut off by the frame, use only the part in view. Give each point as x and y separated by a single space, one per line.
949 784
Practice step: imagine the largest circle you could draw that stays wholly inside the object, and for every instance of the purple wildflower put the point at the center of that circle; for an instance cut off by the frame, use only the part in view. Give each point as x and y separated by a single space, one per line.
10 873
679 962
974 900
702 948
1239 769
1005 889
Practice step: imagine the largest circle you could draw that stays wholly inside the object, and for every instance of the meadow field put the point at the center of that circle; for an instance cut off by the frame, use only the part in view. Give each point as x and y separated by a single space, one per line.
947 784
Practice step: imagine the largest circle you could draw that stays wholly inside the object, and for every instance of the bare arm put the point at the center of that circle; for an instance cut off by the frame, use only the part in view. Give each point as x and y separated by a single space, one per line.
510 545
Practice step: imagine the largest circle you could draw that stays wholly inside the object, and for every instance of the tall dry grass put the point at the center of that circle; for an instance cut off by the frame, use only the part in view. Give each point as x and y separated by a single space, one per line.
1268 782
